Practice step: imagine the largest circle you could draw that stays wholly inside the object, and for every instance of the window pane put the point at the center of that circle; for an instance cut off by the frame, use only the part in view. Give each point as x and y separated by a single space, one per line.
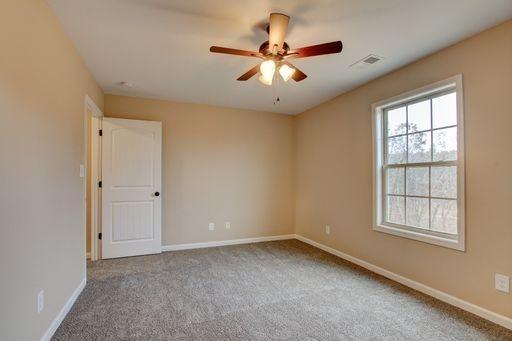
417 212
444 216
419 147
397 149
396 121
395 180
444 110
419 116
444 182
396 210
417 181
445 144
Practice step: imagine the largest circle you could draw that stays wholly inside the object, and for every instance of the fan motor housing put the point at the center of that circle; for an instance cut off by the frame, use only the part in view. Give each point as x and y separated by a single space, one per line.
265 49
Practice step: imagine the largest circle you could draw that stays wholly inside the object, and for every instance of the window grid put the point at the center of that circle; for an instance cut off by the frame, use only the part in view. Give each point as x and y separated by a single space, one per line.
423 131
408 165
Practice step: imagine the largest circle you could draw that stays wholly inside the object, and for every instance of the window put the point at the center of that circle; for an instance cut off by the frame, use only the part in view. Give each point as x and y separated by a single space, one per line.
419 164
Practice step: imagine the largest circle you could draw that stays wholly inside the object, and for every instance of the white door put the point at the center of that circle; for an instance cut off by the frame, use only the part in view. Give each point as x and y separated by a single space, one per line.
131 186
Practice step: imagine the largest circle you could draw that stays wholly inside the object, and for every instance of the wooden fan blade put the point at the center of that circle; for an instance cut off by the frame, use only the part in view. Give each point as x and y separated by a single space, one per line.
227 50
249 73
316 50
278 25
297 75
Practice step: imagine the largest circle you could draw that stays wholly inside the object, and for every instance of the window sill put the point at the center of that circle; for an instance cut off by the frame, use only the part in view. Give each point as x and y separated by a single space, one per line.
456 244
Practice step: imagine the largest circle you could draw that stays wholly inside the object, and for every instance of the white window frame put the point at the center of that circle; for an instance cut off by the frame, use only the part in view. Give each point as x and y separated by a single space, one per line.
456 242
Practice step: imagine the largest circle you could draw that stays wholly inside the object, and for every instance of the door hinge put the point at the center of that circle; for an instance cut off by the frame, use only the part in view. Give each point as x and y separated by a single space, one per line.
99 184
101 132
99 235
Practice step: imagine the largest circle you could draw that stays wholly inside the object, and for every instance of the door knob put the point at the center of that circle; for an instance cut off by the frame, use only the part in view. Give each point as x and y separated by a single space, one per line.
157 194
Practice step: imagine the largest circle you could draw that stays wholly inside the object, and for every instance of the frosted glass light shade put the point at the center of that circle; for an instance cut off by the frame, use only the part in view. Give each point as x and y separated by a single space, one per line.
267 69
266 81
286 72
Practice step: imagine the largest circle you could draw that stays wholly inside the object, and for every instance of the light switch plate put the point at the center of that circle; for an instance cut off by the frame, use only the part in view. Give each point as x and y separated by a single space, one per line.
228 225
327 229
82 171
502 283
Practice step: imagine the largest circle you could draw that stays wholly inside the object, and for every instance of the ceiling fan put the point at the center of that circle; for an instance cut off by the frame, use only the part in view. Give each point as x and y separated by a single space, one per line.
276 53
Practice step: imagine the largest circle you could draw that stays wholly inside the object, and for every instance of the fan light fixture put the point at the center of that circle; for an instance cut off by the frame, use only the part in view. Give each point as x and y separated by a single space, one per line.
286 72
267 69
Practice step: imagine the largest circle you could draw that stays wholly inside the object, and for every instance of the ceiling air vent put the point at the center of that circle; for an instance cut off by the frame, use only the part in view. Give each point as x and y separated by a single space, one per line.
366 61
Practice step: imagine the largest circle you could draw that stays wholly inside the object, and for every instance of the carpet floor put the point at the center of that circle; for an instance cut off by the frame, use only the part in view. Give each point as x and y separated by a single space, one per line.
284 290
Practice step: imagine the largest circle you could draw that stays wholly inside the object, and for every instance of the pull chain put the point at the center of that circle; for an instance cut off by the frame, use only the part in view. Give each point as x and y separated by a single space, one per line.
276 90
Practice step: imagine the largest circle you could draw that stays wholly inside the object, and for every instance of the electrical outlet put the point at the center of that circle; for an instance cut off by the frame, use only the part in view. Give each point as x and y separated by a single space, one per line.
211 226
228 225
40 301
327 229
502 283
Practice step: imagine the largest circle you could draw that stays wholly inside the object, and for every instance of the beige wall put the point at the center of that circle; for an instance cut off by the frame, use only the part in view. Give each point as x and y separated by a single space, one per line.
219 165
42 87
334 173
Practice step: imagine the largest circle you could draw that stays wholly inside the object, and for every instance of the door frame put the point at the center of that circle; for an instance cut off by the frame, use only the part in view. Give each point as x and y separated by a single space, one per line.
92 132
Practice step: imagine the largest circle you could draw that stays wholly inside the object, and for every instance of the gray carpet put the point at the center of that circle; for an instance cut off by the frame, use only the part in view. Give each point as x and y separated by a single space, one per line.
284 290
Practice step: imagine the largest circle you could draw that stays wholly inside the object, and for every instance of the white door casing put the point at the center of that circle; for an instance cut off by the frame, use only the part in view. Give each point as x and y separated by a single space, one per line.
131 186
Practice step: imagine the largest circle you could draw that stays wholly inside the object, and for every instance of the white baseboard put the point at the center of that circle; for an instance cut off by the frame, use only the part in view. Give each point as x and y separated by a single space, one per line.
63 312
442 296
177 247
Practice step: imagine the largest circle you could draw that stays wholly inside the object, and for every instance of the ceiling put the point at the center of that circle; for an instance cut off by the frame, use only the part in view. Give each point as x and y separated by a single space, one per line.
161 46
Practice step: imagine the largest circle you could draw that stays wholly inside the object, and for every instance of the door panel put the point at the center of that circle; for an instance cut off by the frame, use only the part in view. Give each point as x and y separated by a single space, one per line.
132 221
131 175
132 158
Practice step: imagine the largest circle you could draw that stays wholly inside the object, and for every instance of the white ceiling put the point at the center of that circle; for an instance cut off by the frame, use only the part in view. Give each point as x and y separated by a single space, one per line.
161 46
